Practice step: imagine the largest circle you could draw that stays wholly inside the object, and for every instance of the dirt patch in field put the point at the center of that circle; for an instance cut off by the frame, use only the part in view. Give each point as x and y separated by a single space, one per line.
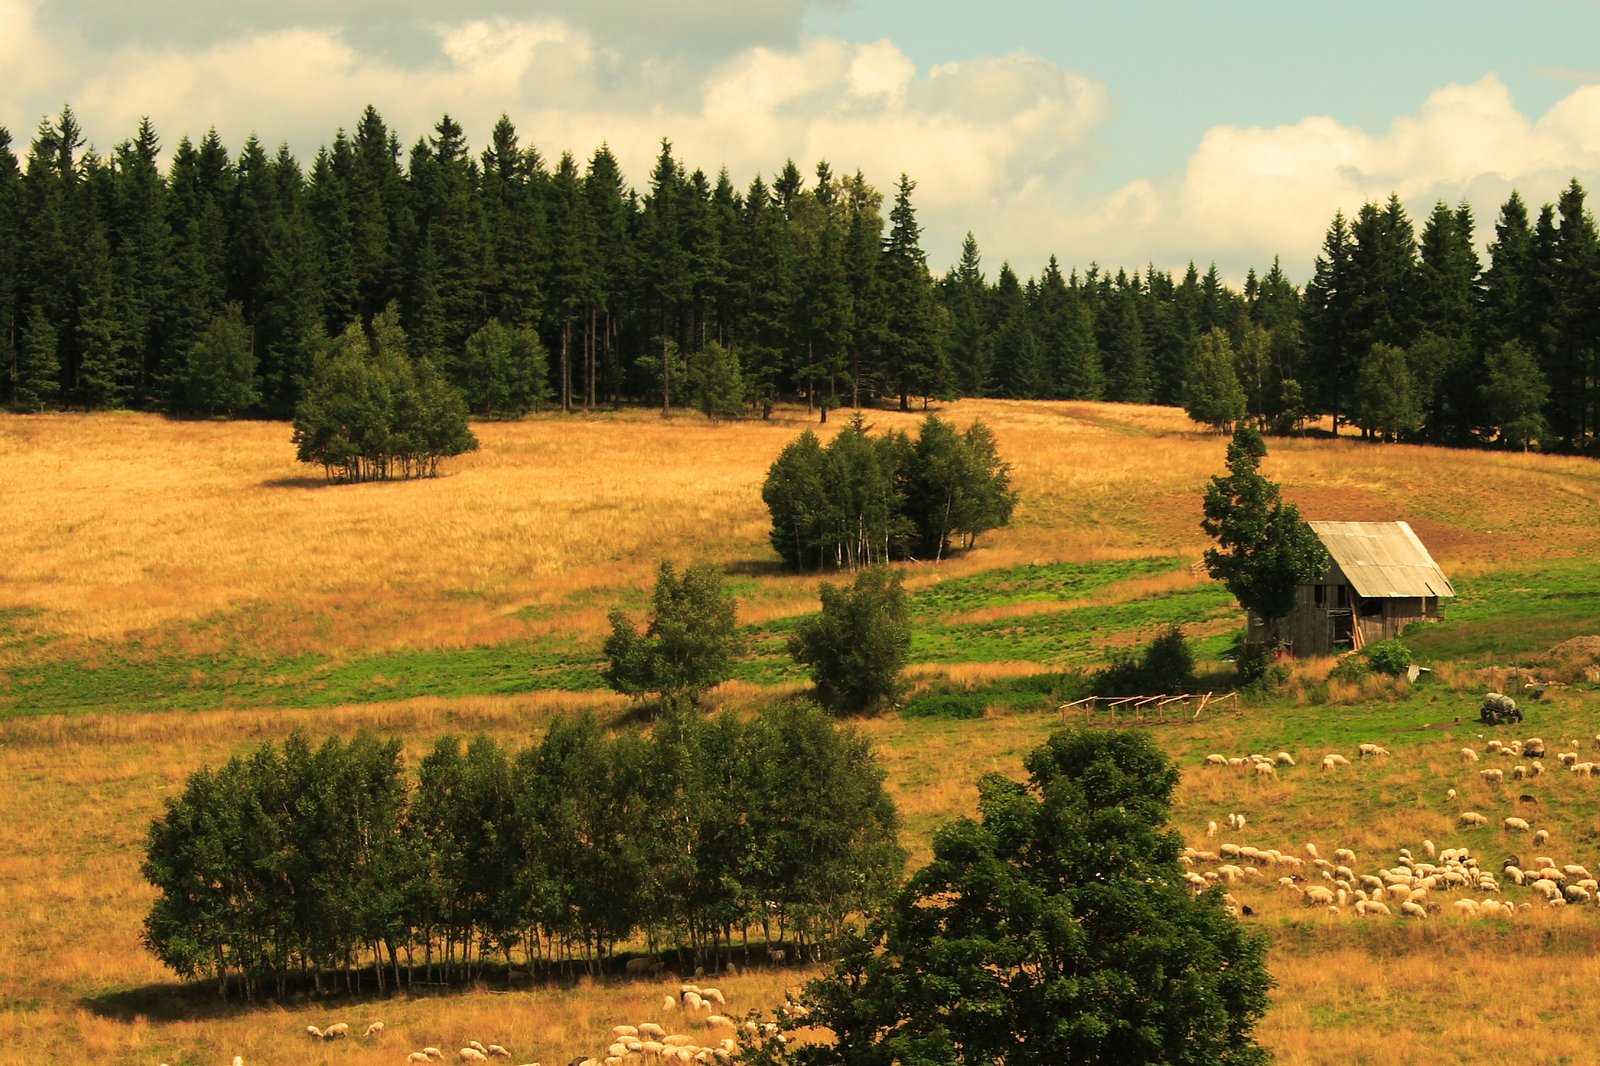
1355 505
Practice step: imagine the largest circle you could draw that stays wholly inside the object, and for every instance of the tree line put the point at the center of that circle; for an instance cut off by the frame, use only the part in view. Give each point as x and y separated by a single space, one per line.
114 272
302 865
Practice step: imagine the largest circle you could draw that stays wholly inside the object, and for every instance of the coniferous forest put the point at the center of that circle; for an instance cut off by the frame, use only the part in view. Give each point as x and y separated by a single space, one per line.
200 280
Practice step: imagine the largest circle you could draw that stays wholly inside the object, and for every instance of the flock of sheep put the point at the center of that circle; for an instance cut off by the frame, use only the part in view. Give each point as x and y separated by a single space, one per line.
643 1044
1448 880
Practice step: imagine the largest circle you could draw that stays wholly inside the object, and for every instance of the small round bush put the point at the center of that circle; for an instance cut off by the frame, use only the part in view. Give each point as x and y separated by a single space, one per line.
1389 657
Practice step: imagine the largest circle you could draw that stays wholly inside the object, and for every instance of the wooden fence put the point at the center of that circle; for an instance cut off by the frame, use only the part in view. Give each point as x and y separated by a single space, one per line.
1138 710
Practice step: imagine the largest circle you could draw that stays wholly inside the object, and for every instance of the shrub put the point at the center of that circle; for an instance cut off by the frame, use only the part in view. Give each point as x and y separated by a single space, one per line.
857 646
1352 669
1389 657
1165 666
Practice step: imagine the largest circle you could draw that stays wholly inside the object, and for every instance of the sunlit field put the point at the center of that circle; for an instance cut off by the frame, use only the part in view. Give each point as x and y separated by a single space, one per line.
202 554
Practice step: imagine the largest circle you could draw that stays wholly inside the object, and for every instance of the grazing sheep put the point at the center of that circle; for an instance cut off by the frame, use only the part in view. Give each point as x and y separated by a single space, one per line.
336 1031
313 1032
1333 762
1519 772
1516 825
1471 818
1344 856
652 1031
713 995
478 1047
1494 776
417 1057
1576 894
1371 751
692 1001
434 1054
624 1030
1265 769
718 1021
1450 795
498 1052
472 1054
1367 907
1216 759
1468 755
1413 910
375 1029
1427 846
1533 747
1283 758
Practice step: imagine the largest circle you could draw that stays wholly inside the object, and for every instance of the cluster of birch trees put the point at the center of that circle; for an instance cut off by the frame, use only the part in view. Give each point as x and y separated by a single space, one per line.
305 865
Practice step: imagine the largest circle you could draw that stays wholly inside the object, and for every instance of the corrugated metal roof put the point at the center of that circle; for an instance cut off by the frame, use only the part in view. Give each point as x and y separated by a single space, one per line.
1382 560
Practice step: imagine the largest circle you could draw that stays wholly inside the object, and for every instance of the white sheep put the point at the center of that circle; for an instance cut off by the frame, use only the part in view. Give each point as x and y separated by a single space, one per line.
1211 829
1468 755
1283 758
498 1052
1413 910
1516 825
1493 776
1427 846
478 1047
1333 761
692 1001
1344 856
1518 772
1366 907
1216 759
624 1030
713 995
434 1054
375 1029
336 1031
1265 769
1372 751
313 1032
1471 818
652 1031
472 1054
669 1003
417 1057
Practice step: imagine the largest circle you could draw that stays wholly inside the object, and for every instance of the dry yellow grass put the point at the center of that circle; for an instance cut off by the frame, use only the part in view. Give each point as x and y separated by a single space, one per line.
201 536
208 536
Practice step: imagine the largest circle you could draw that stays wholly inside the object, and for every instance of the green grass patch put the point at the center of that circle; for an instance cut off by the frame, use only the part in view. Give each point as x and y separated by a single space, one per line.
1037 583
1513 615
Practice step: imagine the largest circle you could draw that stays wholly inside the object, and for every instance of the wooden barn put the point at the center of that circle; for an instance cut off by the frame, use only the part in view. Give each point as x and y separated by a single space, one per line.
1382 579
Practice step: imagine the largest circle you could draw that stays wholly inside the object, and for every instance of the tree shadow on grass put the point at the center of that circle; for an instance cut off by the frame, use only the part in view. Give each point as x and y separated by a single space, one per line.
165 1002
306 482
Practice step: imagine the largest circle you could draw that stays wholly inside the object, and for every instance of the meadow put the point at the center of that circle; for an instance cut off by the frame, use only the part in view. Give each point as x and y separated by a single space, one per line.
177 592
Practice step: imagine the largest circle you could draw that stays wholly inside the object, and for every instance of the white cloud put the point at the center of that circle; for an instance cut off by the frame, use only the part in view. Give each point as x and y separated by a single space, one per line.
1005 146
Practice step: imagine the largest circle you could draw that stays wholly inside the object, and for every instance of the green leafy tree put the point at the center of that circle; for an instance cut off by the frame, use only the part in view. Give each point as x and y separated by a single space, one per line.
1514 395
1263 548
688 646
1055 928
716 383
1212 394
1386 404
857 646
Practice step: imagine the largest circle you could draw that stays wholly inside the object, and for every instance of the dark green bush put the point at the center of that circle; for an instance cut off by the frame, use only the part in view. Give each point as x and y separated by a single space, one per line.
1389 657
1165 666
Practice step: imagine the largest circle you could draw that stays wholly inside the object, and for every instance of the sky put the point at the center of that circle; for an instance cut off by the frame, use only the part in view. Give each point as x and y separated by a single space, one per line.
1120 133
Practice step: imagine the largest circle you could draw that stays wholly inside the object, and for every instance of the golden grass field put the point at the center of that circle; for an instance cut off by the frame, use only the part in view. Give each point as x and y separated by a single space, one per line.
132 531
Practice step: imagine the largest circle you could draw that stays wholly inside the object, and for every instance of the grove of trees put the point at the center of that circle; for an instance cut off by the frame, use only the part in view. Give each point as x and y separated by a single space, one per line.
865 500
127 279
310 865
